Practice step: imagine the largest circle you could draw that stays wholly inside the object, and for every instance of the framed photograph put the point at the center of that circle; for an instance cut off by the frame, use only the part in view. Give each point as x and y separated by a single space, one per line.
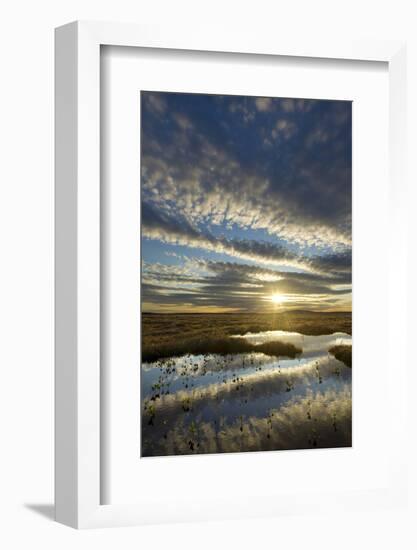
246 273
228 271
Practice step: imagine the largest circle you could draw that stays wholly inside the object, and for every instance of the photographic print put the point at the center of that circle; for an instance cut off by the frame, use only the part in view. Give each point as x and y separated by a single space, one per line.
246 275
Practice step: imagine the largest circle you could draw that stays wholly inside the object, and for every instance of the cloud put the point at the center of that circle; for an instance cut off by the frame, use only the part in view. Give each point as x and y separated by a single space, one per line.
155 102
288 105
284 128
183 122
241 286
175 229
317 136
259 180
300 193
249 199
263 104
288 425
243 107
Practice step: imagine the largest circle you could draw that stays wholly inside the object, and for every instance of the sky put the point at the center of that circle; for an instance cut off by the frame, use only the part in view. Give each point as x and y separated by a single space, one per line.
245 203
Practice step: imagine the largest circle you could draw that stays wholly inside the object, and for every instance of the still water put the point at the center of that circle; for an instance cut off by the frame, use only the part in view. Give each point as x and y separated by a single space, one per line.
248 401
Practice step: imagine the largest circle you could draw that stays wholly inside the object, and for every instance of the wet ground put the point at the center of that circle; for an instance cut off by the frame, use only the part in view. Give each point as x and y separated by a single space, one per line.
248 401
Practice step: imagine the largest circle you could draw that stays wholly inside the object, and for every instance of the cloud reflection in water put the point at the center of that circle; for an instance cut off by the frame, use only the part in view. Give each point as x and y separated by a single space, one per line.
247 402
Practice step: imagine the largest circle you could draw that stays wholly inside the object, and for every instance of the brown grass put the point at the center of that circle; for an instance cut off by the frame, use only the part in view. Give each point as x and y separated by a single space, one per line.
169 335
221 346
343 353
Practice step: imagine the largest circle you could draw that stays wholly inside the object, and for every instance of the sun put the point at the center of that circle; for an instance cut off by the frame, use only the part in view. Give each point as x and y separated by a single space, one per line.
278 298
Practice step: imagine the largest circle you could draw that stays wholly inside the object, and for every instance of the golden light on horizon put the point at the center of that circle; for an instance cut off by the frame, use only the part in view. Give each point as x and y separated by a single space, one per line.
278 298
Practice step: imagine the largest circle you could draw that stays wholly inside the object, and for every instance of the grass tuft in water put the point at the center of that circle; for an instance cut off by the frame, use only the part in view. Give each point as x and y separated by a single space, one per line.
220 346
343 353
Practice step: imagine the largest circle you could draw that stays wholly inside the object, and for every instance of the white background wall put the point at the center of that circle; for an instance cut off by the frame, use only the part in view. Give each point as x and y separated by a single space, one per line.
26 269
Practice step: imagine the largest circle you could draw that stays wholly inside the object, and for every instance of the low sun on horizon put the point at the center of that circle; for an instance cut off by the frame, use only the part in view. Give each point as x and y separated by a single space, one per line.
245 203
278 298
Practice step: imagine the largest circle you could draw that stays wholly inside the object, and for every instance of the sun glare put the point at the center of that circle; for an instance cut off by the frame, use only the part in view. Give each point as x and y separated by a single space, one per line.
277 298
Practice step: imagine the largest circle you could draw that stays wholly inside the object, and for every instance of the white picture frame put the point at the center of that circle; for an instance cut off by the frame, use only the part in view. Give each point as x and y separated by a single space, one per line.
77 394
